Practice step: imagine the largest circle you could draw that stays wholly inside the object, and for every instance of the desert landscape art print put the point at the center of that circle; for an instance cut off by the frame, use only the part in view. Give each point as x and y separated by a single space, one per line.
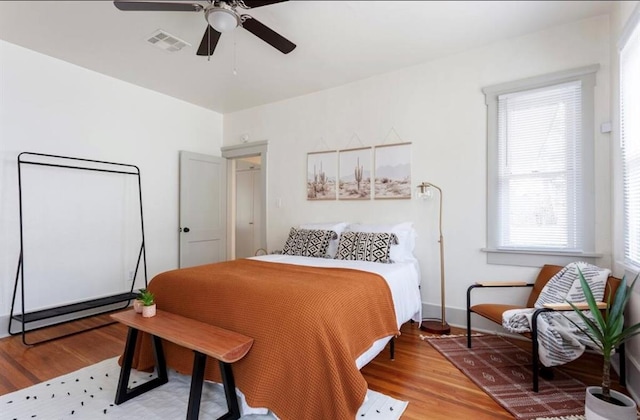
355 174
392 171
322 172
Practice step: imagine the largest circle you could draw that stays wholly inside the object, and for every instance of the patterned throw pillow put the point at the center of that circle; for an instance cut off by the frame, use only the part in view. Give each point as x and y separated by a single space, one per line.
366 246
289 245
308 242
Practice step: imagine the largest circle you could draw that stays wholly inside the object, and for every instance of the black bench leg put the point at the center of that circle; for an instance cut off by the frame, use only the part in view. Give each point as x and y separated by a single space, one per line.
122 392
197 379
161 363
229 392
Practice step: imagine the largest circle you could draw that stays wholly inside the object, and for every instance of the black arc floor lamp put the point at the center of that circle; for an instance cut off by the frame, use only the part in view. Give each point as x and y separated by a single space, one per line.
436 326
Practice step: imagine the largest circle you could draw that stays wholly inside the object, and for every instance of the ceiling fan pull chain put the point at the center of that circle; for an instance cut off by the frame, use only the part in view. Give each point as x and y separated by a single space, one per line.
208 43
235 70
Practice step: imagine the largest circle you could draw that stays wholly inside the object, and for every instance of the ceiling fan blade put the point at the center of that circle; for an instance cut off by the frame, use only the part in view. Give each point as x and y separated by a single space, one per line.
209 42
157 6
252 4
268 35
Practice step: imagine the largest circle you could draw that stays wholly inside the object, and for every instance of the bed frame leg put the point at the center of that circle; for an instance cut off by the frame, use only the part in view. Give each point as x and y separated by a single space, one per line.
392 348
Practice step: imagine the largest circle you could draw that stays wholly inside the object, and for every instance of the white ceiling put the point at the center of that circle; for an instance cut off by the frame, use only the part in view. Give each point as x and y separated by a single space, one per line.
338 42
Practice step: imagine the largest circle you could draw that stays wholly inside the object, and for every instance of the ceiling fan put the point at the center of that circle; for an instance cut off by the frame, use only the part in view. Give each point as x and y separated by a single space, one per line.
221 16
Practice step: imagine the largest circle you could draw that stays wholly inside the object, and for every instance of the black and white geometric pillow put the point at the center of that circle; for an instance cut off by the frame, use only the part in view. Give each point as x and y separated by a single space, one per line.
347 246
318 242
308 242
375 247
300 245
289 245
366 246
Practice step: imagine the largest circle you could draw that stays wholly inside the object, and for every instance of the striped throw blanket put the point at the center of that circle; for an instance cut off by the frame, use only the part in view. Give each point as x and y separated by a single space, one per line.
559 340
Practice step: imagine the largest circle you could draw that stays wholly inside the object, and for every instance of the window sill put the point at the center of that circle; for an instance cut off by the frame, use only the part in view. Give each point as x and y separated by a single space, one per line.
629 269
530 258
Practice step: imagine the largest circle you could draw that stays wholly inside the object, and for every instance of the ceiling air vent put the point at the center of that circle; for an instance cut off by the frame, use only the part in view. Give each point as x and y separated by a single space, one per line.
166 41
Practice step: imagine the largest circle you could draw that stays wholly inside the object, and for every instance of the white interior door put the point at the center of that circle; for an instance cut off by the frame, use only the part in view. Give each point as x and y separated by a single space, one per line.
203 209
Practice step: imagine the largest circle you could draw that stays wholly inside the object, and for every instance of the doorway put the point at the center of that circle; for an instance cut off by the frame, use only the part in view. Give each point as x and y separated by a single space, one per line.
247 198
248 206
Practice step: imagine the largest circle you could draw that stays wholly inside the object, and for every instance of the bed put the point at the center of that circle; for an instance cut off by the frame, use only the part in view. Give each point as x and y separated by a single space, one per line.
315 323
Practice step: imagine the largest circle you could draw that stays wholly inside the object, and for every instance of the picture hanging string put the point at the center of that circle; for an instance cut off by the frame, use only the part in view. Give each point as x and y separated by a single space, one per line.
321 145
392 131
357 138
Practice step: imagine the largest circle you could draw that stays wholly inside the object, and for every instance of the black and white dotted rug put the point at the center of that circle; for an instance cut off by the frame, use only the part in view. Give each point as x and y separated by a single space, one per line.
89 394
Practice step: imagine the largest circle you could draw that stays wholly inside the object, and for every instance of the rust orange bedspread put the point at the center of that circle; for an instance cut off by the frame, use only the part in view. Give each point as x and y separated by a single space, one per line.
309 325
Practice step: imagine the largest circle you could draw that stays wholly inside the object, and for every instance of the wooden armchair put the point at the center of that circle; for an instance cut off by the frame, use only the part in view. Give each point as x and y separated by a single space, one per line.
493 311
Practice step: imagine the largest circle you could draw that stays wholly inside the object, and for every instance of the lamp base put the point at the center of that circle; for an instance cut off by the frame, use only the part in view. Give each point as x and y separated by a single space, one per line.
435 326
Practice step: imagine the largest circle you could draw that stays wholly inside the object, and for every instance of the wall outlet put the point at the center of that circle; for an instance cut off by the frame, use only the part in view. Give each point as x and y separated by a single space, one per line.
130 275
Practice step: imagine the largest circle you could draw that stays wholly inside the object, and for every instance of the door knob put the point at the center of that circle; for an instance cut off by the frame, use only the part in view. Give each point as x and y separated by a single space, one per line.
186 230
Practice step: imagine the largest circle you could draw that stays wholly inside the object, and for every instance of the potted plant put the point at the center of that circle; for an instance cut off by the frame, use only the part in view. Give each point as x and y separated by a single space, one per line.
607 333
137 304
148 304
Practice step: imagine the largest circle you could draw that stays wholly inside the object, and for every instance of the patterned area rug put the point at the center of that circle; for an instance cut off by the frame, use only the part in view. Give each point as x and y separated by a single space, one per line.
89 393
503 371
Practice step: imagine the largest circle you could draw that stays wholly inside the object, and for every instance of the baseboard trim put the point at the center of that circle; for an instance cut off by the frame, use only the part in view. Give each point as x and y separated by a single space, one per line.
4 323
458 318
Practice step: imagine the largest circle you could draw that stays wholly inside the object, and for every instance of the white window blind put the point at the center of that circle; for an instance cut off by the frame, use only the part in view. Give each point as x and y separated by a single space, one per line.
630 143
540 169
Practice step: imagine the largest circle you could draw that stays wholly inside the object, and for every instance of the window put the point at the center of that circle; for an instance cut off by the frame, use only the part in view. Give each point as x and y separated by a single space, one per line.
540 169
630 141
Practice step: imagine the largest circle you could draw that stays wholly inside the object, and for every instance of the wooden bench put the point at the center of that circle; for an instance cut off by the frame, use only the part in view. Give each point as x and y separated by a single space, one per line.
204 339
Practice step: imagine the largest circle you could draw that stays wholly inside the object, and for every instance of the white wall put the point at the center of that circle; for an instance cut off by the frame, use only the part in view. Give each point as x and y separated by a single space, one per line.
619 15
439 107
50 106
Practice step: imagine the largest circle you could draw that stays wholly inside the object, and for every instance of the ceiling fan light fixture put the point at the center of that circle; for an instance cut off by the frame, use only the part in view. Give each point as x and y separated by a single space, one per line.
222 18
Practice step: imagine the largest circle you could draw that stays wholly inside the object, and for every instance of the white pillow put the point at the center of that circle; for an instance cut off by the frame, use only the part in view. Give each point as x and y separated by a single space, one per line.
337 227
405 232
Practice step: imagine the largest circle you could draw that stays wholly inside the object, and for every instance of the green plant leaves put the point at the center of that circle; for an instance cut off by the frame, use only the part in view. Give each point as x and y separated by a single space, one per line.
606 332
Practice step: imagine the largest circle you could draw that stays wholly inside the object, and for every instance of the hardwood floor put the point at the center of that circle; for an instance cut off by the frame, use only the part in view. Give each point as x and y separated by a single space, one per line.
434 388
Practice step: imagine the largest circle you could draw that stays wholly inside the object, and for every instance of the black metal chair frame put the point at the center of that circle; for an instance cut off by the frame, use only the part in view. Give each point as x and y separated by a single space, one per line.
535 360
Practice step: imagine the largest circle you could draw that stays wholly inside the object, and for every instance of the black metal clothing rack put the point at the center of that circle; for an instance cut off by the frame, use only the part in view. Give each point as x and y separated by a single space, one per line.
25 318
